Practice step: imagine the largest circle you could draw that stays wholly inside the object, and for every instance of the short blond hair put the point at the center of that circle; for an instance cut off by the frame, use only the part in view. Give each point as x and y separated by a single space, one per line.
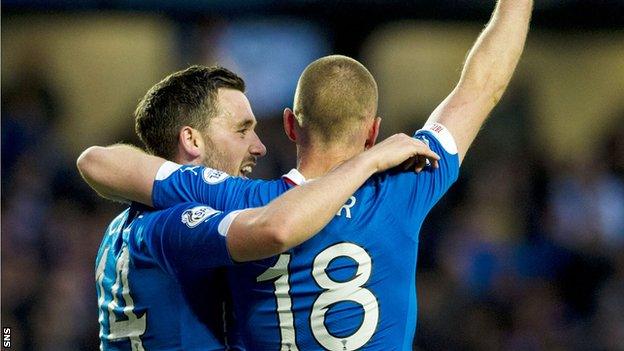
334 95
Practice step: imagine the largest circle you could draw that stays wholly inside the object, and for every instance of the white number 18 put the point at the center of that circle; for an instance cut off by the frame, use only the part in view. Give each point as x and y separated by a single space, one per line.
334 292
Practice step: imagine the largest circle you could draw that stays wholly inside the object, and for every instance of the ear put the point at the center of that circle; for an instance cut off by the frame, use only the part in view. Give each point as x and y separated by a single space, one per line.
290 125
190 144
373 132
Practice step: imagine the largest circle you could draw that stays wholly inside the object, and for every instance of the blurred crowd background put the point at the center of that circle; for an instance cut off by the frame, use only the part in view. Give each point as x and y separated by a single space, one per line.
525 252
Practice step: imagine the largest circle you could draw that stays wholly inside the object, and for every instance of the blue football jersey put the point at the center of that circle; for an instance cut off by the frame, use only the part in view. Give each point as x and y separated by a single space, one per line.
158 284
351 286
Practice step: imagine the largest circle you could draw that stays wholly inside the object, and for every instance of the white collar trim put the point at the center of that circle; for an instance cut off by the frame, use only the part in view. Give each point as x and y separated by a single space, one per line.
295 177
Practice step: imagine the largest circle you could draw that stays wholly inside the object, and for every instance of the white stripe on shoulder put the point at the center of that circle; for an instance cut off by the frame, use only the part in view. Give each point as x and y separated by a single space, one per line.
166 169
443 136
226 222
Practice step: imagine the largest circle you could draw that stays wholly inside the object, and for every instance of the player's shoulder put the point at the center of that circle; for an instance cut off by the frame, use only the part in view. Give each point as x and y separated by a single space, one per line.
379 188
395 187
258 192
116 234
389 178
145 226
118 222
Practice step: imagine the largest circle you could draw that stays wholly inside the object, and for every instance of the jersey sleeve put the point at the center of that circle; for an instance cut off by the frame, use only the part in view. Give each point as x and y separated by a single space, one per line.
176 184
188 238
423 190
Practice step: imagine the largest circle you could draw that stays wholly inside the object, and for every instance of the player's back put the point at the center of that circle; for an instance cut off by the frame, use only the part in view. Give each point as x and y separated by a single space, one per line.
142 306
351 286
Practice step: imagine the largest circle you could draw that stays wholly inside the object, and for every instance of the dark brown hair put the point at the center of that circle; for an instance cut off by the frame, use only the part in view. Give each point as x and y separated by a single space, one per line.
184 98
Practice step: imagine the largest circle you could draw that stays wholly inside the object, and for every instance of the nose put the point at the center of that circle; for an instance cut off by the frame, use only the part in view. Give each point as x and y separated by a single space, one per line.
257 148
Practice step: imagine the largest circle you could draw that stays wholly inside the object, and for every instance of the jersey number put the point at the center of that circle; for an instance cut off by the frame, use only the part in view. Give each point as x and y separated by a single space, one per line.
128 326
334 292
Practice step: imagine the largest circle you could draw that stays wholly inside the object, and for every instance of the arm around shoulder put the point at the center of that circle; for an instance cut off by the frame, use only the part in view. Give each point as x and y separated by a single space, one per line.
119 172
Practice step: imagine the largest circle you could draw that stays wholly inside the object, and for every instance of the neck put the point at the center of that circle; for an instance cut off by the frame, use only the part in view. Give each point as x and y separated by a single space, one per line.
187 160
314 162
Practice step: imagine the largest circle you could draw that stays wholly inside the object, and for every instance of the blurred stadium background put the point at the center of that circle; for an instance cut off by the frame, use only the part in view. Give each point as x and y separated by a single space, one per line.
526 252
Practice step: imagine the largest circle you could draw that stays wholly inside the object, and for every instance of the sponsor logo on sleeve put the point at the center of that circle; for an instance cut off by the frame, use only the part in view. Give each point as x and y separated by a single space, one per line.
192 169
197 215
213 176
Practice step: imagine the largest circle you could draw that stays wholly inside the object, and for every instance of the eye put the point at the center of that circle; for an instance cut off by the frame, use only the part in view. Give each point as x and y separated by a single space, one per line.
243 131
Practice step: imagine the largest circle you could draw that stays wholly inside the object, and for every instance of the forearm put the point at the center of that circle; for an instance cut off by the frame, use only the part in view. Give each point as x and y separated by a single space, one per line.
120 172
307 209
487 71
494 56
298 214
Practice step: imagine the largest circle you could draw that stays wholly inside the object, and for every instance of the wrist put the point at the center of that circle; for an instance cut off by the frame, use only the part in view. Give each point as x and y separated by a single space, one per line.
367 161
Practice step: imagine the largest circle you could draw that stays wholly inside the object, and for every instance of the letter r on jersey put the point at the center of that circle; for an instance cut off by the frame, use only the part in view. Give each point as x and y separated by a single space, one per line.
347 207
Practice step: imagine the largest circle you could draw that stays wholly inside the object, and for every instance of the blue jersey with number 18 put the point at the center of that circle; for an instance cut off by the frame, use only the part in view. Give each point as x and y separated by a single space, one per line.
157 280
352 286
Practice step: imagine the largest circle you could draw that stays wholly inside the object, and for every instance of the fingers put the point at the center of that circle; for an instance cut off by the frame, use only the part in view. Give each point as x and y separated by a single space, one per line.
408 152
423 155
423 150
421 163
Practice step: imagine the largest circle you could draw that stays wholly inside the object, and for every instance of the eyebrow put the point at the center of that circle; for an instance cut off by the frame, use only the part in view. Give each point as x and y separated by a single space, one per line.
246 123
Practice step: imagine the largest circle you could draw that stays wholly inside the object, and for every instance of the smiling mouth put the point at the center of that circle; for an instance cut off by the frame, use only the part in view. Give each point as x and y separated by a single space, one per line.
246 170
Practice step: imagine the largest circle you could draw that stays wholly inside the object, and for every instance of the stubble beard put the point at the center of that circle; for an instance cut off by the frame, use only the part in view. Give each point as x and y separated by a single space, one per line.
216 158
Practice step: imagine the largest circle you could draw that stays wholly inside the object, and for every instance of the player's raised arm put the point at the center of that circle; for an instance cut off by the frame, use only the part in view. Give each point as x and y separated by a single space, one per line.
486 73
120 172
303 211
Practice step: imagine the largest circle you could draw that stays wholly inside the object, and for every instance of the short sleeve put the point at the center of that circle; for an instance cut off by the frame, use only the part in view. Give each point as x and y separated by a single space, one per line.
417 193
188 238
176 184
440 141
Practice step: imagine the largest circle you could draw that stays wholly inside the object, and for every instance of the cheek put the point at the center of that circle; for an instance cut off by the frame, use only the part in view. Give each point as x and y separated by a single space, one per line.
238 147
235 151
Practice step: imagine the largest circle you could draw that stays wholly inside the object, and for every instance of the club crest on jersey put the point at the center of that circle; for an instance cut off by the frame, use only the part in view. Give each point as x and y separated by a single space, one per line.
196 215
213 176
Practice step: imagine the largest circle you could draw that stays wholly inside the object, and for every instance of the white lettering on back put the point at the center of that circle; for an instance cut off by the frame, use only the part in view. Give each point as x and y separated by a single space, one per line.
347 207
